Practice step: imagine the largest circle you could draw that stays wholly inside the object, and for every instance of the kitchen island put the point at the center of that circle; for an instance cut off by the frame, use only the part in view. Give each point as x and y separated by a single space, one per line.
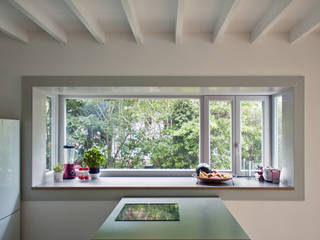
198 218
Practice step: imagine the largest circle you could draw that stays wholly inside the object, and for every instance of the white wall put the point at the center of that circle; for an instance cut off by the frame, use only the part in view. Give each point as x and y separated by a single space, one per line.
160 56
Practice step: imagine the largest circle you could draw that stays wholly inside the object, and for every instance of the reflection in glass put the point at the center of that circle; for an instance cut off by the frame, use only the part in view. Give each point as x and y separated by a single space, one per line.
220 134
48 132
149 212
251 133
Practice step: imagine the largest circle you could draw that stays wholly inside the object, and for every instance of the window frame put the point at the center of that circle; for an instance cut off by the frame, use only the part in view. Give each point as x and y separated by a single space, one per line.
105 172
266 157
204 138
274 134
206 116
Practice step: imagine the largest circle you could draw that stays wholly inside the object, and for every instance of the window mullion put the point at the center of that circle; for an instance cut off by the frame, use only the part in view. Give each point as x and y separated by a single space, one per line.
54 130
233 136
237 144
62 127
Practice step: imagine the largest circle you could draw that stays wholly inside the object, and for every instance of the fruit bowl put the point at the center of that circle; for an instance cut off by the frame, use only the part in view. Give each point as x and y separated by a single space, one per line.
213 180
214 177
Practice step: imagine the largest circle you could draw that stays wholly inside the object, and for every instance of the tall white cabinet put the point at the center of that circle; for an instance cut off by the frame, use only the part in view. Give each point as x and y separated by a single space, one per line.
9 179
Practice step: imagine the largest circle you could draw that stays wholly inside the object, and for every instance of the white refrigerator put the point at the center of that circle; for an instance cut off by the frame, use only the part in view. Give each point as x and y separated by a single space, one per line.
9 179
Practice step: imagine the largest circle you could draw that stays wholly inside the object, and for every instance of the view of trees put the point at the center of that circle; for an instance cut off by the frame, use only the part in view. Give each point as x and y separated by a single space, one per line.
251 133
159 132
137 133
220 134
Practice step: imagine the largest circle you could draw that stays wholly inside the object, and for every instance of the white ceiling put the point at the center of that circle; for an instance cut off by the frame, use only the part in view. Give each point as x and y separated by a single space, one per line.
57 18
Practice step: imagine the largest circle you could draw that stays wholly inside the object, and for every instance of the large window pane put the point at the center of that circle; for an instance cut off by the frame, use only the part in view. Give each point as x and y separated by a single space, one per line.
251 123
220 134
136 133
48 132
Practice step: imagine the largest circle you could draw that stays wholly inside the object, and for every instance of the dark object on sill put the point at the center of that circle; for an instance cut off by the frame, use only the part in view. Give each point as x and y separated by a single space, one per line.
203 167
68 147
261 178
94 170
148 166
260 172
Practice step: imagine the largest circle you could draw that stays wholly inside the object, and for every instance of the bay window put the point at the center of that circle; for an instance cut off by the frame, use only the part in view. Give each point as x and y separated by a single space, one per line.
169 135
167 130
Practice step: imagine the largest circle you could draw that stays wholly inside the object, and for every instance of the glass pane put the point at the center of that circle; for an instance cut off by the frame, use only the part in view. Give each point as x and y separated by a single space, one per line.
251 133
279 131
48 132
220 134
136 133
149 212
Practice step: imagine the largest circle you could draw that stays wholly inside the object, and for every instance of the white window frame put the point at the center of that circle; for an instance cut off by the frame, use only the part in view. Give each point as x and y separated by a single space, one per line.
204 139
236 128
128 172
206 116
266 131
275 150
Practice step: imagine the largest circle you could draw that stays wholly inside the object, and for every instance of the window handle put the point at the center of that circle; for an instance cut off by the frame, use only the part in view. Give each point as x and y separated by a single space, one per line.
237 146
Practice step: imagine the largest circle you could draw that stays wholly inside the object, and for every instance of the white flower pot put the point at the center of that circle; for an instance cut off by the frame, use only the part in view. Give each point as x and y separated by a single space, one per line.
94 176
58 176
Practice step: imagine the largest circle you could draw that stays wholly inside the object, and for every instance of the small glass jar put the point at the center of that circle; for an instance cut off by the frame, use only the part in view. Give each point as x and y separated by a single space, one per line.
83 174
276 176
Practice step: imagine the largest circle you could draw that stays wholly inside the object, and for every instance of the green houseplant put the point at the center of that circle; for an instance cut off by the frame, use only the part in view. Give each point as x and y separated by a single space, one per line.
93 158
58 173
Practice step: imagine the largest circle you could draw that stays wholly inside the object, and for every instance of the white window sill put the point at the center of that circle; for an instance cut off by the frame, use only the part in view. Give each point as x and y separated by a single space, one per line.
161 183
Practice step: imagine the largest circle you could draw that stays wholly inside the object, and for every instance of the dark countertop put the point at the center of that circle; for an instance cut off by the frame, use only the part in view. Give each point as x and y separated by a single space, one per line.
200 218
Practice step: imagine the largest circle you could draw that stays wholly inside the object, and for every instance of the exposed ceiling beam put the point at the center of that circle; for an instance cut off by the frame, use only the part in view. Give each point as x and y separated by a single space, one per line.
224 18
43 21
87 19
13 30
132 19
269 18
179 22
307 25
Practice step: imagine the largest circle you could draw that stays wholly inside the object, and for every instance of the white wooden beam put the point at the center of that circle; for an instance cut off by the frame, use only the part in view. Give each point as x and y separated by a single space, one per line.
132 19
13 30
307 25
43 21
179 22
87 19
269 18
224 18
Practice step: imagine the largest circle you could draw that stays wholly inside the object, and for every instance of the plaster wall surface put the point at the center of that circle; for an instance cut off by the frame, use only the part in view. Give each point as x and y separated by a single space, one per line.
159 56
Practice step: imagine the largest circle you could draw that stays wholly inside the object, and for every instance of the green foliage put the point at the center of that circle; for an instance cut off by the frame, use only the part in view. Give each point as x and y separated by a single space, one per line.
220 134
93 158
132 133
251 133
58 168
161 132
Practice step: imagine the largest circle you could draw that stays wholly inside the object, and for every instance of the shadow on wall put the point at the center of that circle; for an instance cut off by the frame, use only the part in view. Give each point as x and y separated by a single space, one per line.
64 221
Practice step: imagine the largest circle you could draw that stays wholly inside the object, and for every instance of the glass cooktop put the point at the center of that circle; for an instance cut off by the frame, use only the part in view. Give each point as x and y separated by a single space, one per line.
149 212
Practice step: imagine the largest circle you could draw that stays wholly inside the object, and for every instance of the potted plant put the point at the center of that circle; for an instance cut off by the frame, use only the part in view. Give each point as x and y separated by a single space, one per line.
93 158
58 173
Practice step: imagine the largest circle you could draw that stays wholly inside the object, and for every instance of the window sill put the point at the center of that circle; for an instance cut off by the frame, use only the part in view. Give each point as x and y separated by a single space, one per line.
240 183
